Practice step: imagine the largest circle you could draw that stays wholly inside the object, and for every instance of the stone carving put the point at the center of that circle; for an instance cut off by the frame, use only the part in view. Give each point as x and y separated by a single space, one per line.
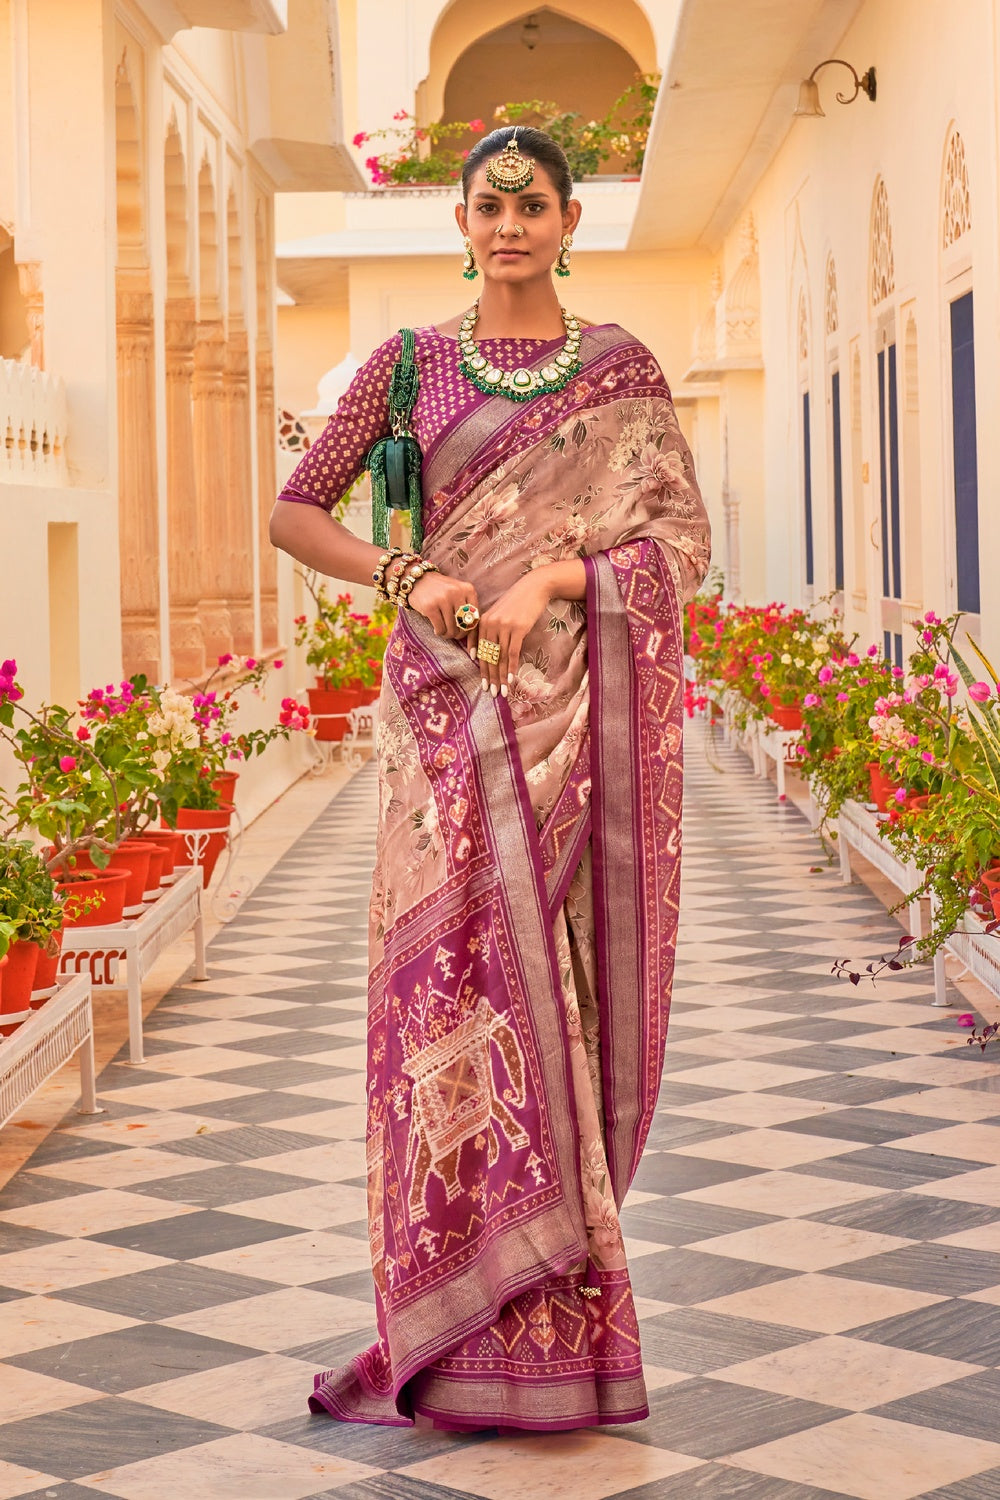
138 520
957 211
883 276
832 308
208 419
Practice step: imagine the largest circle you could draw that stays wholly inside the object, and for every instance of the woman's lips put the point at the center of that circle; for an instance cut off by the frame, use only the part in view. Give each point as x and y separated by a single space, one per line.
510 252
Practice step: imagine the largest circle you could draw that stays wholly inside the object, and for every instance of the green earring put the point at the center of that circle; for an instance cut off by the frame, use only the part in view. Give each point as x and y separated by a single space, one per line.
469 269
562 264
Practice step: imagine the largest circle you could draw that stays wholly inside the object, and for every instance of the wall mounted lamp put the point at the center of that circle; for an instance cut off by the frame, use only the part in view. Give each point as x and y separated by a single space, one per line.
529 32
809 89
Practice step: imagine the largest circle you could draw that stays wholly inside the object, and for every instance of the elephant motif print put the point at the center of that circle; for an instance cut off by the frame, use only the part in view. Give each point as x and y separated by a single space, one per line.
454 1100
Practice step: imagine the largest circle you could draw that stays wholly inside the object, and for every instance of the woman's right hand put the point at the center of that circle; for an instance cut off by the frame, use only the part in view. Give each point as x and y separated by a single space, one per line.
437 597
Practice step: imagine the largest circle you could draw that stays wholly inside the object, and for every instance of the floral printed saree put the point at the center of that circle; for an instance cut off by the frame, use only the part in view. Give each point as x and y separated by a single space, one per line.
524 914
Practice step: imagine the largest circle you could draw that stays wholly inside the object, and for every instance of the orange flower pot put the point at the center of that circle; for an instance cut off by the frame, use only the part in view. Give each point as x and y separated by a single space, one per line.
46 970
131 856
110 885
19 976
197 819
328 710
786 715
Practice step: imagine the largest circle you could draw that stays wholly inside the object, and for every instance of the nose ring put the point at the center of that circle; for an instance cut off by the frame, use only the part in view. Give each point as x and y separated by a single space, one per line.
518 230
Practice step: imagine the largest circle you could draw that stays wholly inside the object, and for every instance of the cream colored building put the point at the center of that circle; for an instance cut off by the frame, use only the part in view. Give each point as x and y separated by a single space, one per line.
170 169
823 287
142 144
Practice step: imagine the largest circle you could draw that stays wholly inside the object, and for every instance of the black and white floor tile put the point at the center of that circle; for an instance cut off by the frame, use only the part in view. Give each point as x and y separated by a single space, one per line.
814 1230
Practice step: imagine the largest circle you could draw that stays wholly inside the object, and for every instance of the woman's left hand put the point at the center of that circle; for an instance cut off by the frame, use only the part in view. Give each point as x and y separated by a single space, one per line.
507 622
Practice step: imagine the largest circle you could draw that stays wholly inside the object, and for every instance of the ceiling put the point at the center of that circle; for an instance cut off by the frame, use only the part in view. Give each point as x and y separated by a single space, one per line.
724 109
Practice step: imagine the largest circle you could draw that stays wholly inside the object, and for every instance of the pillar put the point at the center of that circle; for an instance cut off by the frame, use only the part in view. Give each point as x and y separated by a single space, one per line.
184 561
208 417
267 437
137 499
238 555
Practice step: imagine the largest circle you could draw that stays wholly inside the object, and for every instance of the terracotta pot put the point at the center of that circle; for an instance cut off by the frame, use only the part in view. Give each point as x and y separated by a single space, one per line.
157 860
195 818
882 788
109 884
225 785
328 710
19 976
990 886
786 715
171 845
131 856
3 965
46 970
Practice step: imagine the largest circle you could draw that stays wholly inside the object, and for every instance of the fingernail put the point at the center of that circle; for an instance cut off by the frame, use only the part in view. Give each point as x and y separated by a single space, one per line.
472 654
494 690
503 690
510 677
486 686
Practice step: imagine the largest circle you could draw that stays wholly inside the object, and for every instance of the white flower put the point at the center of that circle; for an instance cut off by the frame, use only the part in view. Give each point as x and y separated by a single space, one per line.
821 646
799 662
786 659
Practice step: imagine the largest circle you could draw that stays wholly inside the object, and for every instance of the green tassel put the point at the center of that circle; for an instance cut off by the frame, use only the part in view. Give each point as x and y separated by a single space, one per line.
380 507
394 463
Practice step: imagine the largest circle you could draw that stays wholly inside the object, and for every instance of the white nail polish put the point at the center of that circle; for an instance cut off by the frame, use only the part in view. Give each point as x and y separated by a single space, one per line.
510 677
503 690
486 686
494 690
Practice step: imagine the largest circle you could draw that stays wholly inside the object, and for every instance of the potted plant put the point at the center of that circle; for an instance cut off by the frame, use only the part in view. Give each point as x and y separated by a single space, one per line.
31 918
330 653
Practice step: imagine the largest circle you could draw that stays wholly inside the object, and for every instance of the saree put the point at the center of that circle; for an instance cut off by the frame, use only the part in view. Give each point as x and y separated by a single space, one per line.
524 913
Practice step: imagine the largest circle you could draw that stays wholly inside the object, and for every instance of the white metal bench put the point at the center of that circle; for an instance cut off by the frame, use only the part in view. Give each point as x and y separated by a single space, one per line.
50 1036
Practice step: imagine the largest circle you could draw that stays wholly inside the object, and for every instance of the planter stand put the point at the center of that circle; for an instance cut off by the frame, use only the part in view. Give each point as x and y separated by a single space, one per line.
978 952
773 743
196 842
47 1040
857 828
361 731
99 951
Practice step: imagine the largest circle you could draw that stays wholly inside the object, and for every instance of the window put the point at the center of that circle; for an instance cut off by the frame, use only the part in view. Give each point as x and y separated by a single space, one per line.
889 509
963 422
807 491
838 484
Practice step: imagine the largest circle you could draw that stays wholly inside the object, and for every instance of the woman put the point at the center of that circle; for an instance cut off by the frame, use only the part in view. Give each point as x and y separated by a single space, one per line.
524 903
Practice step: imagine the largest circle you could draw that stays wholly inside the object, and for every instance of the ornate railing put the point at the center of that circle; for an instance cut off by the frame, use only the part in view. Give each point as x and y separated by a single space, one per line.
32 425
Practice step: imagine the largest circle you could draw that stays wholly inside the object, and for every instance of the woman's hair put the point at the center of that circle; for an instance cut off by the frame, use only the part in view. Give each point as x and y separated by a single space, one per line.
534 143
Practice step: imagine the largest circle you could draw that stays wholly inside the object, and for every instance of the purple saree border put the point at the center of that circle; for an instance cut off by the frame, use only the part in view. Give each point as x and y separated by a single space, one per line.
613 702
490 725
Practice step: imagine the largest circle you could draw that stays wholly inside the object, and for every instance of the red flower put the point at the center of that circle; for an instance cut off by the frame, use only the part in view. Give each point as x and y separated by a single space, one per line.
67 763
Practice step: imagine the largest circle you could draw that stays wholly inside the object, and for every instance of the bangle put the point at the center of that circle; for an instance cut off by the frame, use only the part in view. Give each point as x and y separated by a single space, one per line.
378 575
404 559
413 576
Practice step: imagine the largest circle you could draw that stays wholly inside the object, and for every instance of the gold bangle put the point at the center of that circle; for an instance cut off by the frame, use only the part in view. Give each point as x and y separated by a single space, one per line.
378 574
413 575
404 559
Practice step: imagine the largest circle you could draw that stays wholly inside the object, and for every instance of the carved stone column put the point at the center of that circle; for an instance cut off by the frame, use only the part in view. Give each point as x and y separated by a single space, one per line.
208 417
184 560
138 530
267 438
238 558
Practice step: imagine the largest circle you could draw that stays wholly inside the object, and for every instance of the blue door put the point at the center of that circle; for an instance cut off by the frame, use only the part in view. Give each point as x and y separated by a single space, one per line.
963 407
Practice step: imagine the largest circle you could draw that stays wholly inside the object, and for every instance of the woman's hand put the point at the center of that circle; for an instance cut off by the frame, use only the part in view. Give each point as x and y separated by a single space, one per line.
437 597
507 622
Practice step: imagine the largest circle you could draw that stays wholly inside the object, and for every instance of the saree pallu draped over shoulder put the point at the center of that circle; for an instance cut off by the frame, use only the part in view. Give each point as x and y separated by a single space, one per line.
524 915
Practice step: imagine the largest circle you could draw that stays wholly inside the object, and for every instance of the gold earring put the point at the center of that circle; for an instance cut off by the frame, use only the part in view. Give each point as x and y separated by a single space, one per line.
469 268
562 264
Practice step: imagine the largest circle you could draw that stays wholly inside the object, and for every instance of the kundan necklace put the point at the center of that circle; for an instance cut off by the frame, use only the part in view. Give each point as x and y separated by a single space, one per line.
519 385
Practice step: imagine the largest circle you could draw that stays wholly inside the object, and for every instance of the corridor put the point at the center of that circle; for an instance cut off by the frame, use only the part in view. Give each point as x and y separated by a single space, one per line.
813 1232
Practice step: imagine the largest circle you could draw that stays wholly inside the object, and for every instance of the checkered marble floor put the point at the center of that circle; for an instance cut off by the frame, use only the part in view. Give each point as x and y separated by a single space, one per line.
813 1231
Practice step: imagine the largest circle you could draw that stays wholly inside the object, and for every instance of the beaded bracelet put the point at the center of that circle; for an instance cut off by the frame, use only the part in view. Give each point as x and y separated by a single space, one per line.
404 559
378 575
413 576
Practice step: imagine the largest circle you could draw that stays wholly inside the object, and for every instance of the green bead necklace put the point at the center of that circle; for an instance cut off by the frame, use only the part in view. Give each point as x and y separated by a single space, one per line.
519 385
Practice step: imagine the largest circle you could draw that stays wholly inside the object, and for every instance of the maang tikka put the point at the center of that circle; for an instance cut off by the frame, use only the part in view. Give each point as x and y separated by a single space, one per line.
510 172
469 269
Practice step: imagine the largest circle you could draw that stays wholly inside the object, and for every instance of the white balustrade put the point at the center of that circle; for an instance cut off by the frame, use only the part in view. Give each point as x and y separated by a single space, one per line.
32 425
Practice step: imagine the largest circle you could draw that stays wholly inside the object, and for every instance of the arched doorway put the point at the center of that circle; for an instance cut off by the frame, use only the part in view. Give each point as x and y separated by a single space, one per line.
544 55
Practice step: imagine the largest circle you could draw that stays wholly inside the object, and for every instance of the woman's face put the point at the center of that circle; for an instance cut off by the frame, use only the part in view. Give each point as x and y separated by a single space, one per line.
491 218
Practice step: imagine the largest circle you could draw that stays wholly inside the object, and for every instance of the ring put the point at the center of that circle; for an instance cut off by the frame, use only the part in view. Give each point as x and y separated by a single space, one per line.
489 651
466 615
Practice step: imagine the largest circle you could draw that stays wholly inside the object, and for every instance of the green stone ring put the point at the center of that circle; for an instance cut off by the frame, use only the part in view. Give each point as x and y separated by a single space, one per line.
466 615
